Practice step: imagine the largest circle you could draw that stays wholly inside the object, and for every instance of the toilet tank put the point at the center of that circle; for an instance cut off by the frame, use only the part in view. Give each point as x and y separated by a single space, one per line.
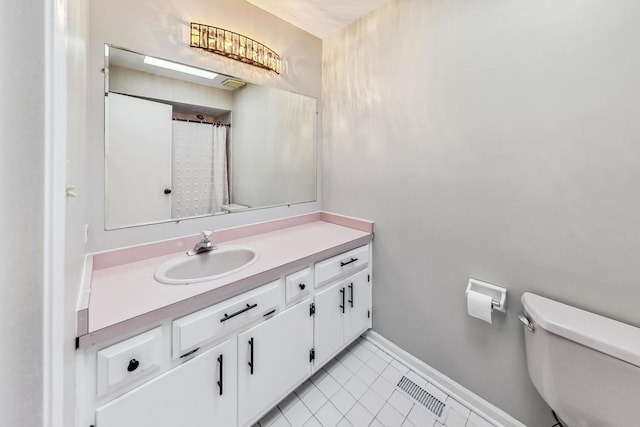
585 366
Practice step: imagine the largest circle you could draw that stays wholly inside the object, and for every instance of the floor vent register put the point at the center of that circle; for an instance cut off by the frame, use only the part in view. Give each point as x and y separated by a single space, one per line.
422 396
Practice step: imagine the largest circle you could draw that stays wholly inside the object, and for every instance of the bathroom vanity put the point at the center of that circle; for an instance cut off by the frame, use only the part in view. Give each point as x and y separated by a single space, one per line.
221 352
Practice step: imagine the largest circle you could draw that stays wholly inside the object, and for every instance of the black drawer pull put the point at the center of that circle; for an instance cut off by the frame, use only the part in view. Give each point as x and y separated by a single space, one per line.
247 308
342 264
302 286
133 365
251 356
342 306
269 313
220 369
351 289
190 352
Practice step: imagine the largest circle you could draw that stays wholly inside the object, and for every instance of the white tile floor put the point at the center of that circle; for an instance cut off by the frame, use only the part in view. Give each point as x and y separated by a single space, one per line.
358 389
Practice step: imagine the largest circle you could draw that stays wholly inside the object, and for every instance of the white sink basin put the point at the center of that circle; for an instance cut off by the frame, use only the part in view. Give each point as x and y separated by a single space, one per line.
223 261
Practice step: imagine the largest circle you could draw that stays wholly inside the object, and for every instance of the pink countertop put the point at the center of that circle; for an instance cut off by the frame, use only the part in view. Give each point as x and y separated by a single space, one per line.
126 297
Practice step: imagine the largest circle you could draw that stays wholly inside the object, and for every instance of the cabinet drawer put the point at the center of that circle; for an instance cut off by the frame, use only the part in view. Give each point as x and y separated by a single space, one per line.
186 396
129 359
298 284
197 328
341 264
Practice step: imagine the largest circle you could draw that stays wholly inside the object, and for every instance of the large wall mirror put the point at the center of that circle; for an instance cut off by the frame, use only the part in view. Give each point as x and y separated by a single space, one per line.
182 142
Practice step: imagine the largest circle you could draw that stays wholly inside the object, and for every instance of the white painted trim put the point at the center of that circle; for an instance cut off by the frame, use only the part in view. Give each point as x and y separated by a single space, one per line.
85 287
469 399
54 199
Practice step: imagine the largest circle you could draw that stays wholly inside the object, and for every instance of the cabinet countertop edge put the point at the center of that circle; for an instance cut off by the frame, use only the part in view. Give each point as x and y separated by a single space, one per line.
344 239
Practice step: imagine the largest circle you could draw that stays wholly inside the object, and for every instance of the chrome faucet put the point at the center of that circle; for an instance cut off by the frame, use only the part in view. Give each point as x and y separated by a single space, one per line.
204 245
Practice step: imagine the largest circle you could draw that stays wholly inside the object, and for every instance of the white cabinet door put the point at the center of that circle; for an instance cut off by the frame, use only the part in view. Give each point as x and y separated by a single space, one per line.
342 314
199 393
138 137
358 295
331 306
273 357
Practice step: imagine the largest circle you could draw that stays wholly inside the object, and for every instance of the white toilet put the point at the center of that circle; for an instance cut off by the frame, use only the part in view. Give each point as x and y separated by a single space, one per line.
585 366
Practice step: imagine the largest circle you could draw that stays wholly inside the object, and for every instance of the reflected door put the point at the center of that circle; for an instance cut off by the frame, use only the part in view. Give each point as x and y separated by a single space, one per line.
138 136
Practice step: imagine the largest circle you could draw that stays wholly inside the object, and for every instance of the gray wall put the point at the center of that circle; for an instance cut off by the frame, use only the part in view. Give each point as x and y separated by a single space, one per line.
496 140
161 28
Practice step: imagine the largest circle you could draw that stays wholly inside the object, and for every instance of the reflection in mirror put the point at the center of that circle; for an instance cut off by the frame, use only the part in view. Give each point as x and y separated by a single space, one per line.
182 142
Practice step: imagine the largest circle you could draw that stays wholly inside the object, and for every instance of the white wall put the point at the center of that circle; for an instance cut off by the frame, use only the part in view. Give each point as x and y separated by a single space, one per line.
134 82
273 162
21 217
77 174
38 284
161 28
496 140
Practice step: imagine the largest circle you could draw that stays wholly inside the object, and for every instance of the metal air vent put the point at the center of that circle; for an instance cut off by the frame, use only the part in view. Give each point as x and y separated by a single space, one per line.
233 83
422 396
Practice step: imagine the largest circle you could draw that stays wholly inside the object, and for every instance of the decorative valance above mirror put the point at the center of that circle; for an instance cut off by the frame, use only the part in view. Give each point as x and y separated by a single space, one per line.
182 142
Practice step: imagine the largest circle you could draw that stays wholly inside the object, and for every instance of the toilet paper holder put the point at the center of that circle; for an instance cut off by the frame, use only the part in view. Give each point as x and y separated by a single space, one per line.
498 294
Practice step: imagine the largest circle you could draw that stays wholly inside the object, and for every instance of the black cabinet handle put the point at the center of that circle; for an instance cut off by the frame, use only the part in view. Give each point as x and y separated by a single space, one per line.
220 370
342 264
133 365
190 352
302 286
251 356
342 306
247 308
351 290
167 191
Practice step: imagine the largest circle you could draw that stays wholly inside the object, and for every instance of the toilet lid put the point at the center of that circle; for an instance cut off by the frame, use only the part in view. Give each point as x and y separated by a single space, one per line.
606 335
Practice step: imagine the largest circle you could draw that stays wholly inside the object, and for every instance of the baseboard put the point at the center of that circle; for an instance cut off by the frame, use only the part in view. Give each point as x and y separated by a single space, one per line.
471 400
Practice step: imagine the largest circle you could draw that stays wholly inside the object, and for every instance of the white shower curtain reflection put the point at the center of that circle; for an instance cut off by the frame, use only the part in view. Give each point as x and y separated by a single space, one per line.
199 170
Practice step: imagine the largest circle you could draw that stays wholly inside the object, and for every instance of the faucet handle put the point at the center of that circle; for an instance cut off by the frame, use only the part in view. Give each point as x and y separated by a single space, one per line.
206 235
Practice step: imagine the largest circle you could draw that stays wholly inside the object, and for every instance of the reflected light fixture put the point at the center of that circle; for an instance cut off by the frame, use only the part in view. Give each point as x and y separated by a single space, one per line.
234 46
150 60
